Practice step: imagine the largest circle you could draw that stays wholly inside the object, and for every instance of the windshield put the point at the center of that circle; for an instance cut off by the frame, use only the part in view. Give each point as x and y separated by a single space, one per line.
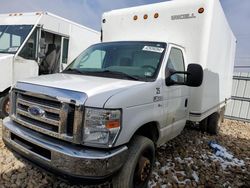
12 37
125 60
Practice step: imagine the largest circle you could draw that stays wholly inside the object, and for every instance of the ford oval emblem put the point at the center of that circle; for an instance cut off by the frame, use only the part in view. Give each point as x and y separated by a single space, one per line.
36 111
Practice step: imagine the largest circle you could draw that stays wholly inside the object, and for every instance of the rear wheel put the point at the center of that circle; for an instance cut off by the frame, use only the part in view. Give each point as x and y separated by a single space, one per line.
214 121
203 125
136 171
4 106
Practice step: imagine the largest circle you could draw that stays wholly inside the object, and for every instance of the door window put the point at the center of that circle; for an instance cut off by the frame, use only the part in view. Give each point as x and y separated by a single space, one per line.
30 48
65 50
175 63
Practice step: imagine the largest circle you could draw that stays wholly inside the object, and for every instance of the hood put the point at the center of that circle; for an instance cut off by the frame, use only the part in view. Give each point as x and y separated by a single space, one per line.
5 56
98 89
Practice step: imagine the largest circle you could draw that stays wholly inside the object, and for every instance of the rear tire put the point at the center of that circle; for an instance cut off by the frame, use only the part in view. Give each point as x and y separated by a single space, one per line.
4 106
203 125
214 121
136 171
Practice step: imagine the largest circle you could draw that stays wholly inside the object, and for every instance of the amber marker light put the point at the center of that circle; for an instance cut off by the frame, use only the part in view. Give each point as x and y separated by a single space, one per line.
201 10
135 17
145 16
112 124
156 15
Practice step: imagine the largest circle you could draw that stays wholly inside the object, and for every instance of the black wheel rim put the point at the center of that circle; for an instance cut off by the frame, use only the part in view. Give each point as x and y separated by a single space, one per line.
143 169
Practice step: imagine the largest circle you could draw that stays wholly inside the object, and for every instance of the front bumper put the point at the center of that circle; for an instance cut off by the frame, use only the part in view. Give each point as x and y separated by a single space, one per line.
62 157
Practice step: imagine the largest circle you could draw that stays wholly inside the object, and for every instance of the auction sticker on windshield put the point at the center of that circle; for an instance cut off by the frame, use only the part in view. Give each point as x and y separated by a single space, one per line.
153 49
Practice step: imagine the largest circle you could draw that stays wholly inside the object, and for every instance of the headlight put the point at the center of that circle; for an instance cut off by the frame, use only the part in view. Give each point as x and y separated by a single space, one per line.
101 126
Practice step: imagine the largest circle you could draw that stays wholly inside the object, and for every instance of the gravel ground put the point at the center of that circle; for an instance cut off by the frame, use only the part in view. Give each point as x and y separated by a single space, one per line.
186 161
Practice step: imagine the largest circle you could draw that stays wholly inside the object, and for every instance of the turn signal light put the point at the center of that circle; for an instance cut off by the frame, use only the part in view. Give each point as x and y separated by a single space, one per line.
112 124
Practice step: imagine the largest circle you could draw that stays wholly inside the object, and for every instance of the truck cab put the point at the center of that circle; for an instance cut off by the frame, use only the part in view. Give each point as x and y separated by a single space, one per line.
33 44
110 93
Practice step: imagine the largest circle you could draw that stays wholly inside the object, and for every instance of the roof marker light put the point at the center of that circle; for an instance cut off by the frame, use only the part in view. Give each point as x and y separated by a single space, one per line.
156 15
145 16
201 10
135 17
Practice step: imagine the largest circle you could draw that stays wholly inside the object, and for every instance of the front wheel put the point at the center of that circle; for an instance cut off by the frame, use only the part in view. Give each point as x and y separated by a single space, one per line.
4 106
136 171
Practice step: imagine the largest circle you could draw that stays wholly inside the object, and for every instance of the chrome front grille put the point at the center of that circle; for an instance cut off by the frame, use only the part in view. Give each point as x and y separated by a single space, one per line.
59 119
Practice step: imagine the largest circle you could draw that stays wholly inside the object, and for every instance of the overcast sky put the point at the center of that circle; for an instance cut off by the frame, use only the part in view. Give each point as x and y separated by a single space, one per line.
88 13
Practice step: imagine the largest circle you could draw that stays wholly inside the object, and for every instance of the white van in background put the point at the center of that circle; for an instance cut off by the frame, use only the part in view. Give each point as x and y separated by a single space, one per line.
37 43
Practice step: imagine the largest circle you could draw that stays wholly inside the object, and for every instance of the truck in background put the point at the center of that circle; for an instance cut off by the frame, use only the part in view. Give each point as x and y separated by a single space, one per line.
158 67
37 43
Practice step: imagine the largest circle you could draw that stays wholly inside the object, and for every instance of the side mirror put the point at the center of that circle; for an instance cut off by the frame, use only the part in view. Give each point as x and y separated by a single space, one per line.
193 77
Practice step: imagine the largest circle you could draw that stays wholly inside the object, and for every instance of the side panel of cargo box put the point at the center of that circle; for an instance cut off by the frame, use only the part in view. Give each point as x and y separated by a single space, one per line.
218 67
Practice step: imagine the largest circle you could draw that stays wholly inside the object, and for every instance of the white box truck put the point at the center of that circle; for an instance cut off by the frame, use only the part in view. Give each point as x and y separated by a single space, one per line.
37 43
120 99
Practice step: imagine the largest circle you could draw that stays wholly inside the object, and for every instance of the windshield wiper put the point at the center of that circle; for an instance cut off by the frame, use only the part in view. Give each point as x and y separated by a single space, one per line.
109 72
117 73
72 71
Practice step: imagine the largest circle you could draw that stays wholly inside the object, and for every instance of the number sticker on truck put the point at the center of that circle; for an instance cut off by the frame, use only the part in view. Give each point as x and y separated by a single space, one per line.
153 49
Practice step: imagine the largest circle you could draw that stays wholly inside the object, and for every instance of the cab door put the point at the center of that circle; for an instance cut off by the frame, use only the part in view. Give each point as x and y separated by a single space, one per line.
175 96
26 61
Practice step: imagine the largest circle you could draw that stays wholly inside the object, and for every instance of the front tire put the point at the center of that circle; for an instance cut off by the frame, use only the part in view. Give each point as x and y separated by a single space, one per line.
4 106
136 171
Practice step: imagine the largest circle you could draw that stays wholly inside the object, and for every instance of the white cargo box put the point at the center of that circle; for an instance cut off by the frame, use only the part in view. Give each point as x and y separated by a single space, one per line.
199 26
